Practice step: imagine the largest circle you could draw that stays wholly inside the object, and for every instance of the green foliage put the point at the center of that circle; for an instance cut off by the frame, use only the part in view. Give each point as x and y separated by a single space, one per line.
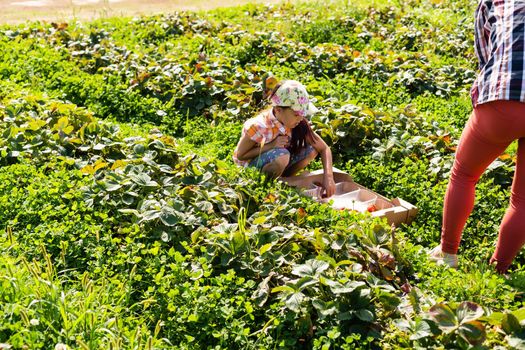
132 239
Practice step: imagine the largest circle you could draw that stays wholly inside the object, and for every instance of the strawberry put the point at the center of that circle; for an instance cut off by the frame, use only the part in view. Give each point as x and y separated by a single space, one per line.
371 208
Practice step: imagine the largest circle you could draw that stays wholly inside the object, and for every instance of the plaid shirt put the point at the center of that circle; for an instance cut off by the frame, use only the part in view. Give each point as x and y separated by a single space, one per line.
262 129
499 45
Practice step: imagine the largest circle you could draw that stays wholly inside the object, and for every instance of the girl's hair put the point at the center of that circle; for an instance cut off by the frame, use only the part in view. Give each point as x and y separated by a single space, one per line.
300 132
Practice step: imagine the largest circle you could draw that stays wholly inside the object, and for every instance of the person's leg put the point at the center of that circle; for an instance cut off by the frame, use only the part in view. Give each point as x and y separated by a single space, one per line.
512 230
276 168
300 160
482 140
272 162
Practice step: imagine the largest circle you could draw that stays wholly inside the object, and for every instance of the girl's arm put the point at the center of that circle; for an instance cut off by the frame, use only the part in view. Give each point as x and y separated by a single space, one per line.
247 149
326 157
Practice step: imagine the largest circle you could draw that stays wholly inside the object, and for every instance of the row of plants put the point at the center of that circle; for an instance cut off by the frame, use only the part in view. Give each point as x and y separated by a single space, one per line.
195 248
195 66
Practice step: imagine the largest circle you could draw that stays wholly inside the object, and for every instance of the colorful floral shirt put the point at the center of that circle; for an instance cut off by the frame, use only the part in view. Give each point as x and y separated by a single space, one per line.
499 45
262 129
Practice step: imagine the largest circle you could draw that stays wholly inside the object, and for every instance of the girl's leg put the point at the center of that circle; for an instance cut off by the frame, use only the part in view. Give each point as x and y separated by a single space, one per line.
512 230
483 139
300 160
276 168
272 162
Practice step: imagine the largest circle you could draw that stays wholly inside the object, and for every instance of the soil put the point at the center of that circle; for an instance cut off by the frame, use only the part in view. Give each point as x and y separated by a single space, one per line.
17 11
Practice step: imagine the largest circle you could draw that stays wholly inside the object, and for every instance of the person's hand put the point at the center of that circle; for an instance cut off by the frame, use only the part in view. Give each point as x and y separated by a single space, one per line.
328 186
280 142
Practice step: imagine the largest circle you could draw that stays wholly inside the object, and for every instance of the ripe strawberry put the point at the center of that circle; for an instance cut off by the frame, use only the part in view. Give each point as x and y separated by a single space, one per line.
371 208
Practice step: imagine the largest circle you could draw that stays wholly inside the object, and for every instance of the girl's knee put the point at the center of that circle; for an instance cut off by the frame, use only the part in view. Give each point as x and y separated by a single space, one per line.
283 160
278 165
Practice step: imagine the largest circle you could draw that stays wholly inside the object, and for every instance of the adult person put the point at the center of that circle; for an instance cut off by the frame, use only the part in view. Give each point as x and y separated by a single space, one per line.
498 118
279 140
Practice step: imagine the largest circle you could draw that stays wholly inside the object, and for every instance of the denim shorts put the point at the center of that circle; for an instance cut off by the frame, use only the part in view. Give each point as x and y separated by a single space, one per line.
271 155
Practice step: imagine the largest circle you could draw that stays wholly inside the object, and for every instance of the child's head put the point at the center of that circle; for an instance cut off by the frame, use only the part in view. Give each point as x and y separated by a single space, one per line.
292 94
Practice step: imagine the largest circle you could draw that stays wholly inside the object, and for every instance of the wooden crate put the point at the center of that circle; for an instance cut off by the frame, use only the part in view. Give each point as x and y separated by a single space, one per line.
350 195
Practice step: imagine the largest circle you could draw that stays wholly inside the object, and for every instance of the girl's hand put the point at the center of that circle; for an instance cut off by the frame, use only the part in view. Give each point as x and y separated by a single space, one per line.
280 142
329 186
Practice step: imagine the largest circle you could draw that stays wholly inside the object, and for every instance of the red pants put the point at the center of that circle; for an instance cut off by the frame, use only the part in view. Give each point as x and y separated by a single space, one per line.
490 129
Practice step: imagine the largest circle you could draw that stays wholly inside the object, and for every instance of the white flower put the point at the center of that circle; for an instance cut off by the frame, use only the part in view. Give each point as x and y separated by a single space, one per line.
61 346
34 322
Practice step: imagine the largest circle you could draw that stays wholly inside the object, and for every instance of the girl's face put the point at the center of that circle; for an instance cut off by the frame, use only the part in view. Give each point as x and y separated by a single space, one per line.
288 116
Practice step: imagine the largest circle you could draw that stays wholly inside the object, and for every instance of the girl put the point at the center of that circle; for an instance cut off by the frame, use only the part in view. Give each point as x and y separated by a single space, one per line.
280 142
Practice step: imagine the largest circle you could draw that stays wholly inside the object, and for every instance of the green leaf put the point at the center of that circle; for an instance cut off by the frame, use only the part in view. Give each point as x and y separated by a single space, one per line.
169 217
445 318
324 308
204 206
389 300
225 208
130 211
143 180
238 240
345 316
468 311
421 330
365 315
293 301
312 267
112 186
283 289
139 149
516 341
510 323
305 282
494 318
150 215
128 199
520 314
348 287
62 123
473 332
263 291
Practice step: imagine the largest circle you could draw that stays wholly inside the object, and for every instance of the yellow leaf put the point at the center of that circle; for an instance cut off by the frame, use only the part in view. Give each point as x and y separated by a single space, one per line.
271 82
88 169
118 164
99 165
68 129
81 132
36 124
62 123
265 248
75 140
259 220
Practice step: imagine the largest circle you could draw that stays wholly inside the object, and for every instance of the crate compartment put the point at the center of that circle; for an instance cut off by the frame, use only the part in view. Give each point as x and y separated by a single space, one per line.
358 200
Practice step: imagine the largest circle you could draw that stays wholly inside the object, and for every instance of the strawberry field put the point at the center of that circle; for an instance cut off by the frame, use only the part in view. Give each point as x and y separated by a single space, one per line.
126 225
